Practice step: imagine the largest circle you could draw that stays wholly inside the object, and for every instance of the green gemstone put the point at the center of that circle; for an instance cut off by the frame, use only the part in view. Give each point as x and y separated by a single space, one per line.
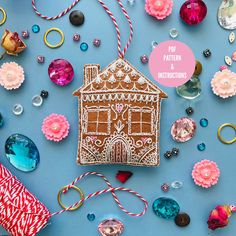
190 90
166 208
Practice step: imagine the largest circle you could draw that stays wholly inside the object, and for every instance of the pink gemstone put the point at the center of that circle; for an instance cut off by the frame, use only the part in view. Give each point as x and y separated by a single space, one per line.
193 12
111 227
183 129
61 72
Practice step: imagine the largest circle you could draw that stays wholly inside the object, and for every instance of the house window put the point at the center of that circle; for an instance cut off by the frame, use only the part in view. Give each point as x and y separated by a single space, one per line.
98 121
140 121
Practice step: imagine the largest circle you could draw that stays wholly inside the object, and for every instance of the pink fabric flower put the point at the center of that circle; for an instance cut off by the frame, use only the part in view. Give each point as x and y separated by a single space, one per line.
159 9
224 84
11 75
55 127
205 173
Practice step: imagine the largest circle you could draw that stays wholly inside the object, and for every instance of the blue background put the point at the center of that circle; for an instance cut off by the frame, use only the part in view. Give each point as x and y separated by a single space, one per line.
58 167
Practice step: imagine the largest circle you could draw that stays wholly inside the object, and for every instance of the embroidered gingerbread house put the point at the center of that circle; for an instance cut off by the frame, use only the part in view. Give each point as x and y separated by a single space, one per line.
119 116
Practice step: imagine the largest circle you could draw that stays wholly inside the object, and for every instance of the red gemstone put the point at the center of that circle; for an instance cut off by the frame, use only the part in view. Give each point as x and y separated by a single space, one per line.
193 12
61 72
123 176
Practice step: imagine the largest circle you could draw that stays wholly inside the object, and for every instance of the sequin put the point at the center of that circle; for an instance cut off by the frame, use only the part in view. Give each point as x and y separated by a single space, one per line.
40 59
76 37
165 187
173 33
144 59
96 43
17 109
176 184
154 44
207 53
22 153
166 208
189 111
44 94
168 155
84 47
91 217
35 28
201 147
175 152
204 122
37 101
25 34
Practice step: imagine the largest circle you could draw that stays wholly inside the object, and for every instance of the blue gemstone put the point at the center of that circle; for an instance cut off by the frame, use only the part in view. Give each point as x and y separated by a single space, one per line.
1 120
201 146
84 47
22 153
35 28
204 122
166 208
91 217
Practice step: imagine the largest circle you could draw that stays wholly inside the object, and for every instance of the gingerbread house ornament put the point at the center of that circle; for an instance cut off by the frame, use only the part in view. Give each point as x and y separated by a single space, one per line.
119 116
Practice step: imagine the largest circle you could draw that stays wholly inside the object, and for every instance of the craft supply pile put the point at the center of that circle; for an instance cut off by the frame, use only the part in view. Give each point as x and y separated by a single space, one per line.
121 111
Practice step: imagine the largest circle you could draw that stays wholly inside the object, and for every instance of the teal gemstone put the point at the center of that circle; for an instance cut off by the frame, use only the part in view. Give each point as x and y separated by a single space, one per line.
201 147
91 217
166 208
190 90
1 120
22 153
84 47
35 28
204 122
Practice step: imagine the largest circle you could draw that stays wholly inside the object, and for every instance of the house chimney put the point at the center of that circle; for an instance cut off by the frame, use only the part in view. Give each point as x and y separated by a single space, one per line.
90 72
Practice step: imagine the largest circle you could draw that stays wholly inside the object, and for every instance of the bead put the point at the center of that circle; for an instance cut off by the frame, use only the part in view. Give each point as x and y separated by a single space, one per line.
198 68
173 33
190 90
193 12
204 122
231 37
84 47
166 208
168 155
228 61
17 109
91 217
76 37
176 184
25 34
223 67
144 59
61 72
35 28
44 94
189 111
111 227
207 52
40 59
123 176
22 153
76 18
37 101
154 44
201 147
165 187
175 152
131 2
96 42
182 219
1 121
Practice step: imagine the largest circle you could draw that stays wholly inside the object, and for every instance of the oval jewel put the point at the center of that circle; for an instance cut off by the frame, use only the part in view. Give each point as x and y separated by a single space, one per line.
22 153
231 37
228 60
177 184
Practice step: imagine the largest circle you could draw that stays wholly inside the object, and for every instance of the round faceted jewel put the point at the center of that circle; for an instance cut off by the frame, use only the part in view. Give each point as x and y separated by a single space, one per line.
111 227
84 47
91 217
61 72
35 28
201 146
204 122
166 208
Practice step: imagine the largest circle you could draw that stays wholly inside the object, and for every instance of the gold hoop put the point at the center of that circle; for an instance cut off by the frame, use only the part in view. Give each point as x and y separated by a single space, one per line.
4 16
219 133
75 188
56 45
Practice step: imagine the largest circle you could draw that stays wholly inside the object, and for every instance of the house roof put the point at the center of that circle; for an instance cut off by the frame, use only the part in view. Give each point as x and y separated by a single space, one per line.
120 76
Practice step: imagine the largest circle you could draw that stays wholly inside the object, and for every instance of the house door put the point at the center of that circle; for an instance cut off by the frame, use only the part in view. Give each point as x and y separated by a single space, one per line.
119 152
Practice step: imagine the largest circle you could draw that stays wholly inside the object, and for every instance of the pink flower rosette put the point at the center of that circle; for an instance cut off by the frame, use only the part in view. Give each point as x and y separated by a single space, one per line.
205 173
224 84
55 127
11 75
159 9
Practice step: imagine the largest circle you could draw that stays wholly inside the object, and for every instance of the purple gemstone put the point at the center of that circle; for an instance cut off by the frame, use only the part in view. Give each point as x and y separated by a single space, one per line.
76 37
165 187
25 34
193 12
97 42
144 59
111 227
40 59
61 72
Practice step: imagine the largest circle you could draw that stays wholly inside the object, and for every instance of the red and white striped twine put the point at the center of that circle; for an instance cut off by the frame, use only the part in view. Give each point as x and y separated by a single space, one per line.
110 189
121 52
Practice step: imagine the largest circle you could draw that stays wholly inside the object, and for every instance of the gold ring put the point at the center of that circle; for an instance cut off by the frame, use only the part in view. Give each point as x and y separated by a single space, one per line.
219 133
4 16
65 207
56 45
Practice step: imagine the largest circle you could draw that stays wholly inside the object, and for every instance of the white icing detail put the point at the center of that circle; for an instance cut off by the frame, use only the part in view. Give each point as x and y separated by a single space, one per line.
141 81
112 79
98 80
119 63
133 73
127 79
126 68
113 68
119 74
119 126
106 73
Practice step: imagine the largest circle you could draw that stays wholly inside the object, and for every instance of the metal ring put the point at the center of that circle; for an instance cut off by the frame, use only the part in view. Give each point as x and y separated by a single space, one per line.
219 133
65 207
56 45
4 16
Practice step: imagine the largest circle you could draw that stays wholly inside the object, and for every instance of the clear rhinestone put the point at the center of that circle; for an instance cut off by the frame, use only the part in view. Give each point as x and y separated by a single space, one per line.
154 44
17 109
177 184
174 33
131 2
37 101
